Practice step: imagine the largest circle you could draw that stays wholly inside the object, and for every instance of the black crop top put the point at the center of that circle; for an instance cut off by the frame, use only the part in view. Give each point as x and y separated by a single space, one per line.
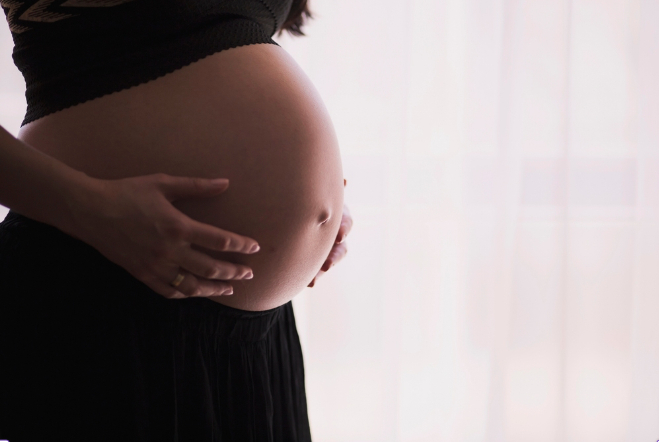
71 51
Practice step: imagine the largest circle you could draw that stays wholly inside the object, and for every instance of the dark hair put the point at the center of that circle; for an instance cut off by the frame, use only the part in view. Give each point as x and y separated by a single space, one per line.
297 17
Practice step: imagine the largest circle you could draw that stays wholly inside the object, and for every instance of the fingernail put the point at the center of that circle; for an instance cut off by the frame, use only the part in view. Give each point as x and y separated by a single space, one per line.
255 248
250 275
229 292
312 284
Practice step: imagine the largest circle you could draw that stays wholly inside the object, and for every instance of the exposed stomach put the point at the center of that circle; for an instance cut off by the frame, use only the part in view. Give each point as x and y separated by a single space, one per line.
248 114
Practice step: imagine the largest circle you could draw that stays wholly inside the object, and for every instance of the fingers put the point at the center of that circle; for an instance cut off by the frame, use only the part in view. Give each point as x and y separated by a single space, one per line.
199 287
206 267
214 238
190 285
336 254
175 188
339 249
165 290
346 225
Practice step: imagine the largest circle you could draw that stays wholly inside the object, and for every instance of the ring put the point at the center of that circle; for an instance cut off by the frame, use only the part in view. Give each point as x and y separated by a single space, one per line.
177 281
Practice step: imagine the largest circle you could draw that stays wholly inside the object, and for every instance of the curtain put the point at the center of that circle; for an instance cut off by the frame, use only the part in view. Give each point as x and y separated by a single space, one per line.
502 279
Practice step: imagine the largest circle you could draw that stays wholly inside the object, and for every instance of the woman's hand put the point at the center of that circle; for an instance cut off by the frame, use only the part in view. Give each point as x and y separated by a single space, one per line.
132 222
340 248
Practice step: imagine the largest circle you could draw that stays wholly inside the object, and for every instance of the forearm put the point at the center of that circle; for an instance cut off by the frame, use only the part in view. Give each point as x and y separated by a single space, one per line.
37 185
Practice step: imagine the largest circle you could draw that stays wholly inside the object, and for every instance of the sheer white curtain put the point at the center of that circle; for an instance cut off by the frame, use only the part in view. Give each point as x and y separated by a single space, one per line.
502 282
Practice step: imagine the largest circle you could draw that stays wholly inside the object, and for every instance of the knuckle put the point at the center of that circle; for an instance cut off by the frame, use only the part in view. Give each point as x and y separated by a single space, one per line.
223 243
210 273
161 178
175 229
228 273
194 291
198 183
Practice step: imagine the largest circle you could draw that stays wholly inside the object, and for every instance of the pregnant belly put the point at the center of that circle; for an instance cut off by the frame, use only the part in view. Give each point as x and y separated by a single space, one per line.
248 114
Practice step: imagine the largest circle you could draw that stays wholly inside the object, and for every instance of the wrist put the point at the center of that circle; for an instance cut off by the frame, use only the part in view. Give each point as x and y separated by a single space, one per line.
78 193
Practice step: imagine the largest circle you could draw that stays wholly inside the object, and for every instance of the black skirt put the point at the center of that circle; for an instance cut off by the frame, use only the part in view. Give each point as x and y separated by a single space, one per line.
89 353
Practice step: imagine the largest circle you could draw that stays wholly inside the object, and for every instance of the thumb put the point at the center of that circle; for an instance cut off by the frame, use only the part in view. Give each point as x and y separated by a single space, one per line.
175 188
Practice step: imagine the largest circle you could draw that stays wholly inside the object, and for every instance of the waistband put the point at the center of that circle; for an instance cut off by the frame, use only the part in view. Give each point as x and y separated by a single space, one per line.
22 237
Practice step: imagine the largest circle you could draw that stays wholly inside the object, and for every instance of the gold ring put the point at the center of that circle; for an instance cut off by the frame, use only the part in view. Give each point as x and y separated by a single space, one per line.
177 281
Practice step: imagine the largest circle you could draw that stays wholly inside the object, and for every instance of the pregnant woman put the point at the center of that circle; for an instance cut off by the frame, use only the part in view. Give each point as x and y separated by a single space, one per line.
123 318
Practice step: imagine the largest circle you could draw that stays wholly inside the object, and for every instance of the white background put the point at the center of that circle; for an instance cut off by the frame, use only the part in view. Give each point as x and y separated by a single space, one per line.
503 175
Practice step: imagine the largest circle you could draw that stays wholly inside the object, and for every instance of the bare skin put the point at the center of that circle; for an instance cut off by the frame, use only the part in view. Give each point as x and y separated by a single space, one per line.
248 114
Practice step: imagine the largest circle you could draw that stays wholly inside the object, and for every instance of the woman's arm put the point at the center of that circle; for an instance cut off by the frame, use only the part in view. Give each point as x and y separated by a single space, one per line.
131 221
34 184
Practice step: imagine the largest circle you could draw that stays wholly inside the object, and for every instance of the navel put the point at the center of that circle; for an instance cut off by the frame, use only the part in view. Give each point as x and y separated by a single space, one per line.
324 217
